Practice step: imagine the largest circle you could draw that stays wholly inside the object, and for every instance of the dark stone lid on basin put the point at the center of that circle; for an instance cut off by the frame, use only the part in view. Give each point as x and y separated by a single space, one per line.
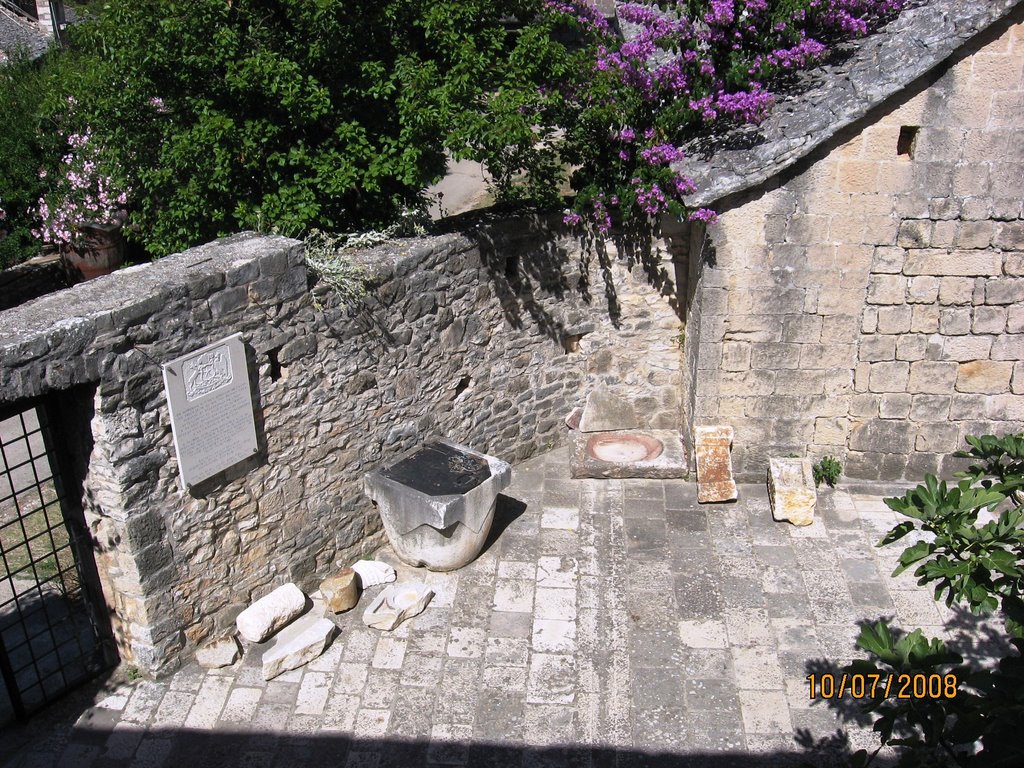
439 469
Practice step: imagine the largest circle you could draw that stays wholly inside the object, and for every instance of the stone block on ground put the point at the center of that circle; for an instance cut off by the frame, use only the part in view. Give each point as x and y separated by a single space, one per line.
297 644
341 592
373 572
220 653
437 502
712 447
268 614
606 412
648 453
791 490
396 604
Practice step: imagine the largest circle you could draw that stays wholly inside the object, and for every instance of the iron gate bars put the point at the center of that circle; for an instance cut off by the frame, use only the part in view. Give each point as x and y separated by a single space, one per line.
51 635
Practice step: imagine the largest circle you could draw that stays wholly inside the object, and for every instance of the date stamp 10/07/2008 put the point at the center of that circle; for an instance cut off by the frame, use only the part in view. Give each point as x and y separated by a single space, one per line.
833 685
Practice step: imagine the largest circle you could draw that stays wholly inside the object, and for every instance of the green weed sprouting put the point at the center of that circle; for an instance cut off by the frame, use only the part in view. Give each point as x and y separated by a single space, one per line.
828 470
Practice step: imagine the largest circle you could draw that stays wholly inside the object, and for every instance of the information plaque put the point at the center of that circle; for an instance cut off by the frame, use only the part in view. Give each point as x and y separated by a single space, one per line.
211 409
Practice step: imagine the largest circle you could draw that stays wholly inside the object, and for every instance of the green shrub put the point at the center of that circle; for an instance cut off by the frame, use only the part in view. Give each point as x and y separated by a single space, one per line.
326 258
299 113
971 547
23 154
828 470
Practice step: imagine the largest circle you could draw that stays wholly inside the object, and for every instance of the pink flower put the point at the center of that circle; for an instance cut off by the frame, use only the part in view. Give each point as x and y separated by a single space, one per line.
662 154
82 193
703 214
585 14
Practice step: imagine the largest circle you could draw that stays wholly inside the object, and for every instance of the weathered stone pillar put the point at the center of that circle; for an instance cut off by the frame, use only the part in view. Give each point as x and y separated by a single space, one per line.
45 17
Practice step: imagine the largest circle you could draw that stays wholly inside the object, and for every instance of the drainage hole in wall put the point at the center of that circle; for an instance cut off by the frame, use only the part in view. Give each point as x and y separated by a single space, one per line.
907 141
512 269
464 383
275 365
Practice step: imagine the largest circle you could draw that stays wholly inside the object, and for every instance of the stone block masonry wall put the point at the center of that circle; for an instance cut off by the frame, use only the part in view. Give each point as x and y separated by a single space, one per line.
870 303
460 336
45 17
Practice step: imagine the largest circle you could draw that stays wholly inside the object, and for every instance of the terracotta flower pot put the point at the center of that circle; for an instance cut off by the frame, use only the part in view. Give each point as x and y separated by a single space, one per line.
99 252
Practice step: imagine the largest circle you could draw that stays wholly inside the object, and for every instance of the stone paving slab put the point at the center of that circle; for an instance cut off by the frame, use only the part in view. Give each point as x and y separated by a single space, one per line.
609 623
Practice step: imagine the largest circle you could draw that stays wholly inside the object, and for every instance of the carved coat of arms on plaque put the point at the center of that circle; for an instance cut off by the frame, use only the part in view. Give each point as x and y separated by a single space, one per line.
211 409
207 373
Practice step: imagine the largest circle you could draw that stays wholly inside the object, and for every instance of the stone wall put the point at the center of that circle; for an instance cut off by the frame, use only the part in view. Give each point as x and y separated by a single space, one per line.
488 338
872 298
45 17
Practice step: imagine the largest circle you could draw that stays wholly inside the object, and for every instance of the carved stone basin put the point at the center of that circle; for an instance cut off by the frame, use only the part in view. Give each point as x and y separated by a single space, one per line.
437 502
652 453
623 447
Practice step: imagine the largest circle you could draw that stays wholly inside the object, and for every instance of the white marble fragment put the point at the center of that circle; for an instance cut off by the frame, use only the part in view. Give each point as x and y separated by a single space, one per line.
297 644
374 572
268 614
396 604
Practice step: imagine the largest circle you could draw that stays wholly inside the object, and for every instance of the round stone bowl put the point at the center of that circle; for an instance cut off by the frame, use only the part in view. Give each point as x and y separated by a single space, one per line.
624 448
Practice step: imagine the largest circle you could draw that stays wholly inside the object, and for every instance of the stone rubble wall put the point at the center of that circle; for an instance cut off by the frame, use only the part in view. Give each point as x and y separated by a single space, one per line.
463 336
870 305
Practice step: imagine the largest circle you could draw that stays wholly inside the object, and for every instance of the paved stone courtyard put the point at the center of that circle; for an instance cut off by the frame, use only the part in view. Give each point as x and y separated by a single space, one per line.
610 623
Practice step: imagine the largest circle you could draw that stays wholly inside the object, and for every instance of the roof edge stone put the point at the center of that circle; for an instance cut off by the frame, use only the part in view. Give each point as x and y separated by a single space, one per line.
831 98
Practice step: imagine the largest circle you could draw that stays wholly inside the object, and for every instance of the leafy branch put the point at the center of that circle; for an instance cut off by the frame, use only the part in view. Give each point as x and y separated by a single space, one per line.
970 560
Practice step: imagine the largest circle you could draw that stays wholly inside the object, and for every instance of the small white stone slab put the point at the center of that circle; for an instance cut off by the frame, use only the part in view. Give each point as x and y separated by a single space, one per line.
298 644
117 702
268 614
396 604
211 409
222 653
374 572
791 490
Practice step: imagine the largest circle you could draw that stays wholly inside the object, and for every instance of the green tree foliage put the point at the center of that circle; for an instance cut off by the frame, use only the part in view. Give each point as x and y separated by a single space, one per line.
301 113
221 115
970 546
25 150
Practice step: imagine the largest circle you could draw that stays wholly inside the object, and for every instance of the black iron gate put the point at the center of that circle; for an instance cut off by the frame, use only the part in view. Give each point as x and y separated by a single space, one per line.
53 629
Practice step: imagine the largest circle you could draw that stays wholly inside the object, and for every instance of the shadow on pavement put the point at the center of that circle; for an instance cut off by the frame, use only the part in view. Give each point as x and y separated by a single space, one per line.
96 746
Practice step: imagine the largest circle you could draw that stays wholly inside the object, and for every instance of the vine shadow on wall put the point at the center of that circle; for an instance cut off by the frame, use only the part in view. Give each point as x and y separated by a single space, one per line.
527 259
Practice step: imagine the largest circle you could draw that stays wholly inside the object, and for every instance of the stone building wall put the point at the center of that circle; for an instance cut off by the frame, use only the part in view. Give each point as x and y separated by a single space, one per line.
487 338
45 17
869 302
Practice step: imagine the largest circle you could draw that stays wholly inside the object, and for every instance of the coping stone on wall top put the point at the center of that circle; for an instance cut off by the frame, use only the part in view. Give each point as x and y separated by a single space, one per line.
401 256
120 291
